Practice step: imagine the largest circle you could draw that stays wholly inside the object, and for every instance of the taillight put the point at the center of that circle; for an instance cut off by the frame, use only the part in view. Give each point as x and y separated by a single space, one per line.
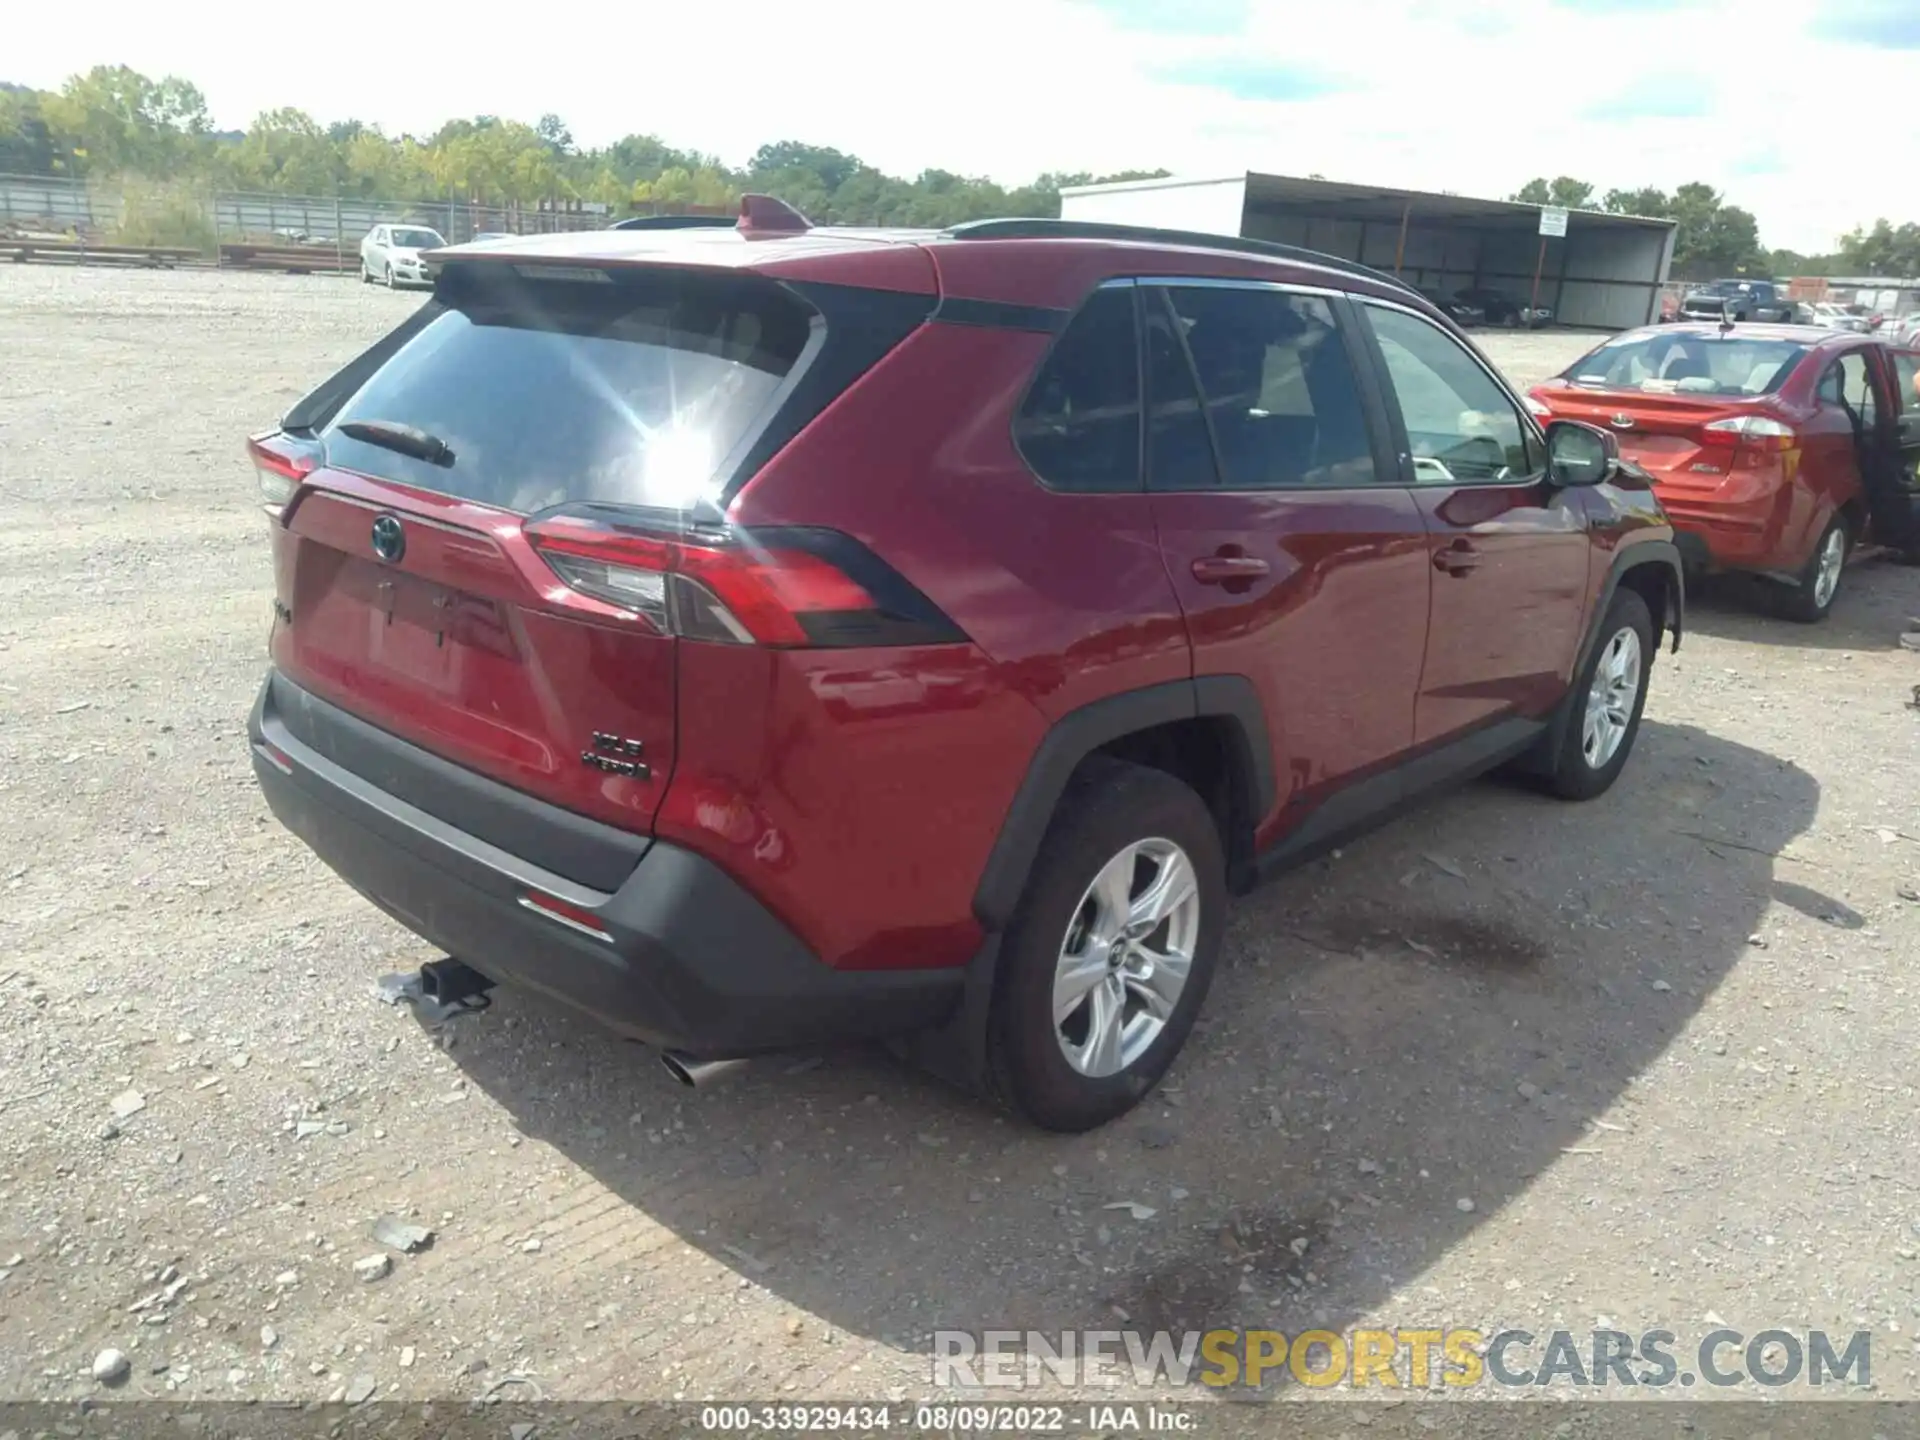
1758 432
790 588
281 463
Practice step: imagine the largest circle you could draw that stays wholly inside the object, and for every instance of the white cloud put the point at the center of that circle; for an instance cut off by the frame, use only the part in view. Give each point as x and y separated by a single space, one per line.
1013 87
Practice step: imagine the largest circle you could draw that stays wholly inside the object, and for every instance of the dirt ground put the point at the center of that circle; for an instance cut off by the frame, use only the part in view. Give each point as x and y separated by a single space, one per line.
1648 1062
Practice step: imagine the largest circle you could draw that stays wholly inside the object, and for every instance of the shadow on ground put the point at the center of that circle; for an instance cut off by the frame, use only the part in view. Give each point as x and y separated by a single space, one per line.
1434 1015
1877 595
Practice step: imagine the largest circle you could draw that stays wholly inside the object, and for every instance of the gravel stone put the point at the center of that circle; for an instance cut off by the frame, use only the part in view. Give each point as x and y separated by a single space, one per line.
110 1367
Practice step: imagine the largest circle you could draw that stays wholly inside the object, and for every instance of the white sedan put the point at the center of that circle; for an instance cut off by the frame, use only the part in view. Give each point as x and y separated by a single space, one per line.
1837 317
391 255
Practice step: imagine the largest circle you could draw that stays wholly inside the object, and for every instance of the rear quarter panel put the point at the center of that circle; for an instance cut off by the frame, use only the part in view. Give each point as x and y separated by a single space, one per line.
859 792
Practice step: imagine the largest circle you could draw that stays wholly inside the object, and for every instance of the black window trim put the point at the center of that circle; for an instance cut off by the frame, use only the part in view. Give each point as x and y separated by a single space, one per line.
1059 335
1358 341
1151 294
1397 419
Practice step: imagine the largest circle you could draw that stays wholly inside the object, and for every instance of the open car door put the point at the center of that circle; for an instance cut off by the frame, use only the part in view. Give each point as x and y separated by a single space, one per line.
1893 492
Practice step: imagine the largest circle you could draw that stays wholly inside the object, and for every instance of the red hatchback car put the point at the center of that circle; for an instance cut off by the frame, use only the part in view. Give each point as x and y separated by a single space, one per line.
1774 448
765 636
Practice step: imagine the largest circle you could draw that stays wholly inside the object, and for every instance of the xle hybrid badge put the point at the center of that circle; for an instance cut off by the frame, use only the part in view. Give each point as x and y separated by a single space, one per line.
389 538
616 756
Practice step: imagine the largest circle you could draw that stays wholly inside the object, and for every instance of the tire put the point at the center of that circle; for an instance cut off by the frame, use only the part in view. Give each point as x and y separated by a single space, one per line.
1510 321
366 275
1810 599
1109 809
389 278
1591 756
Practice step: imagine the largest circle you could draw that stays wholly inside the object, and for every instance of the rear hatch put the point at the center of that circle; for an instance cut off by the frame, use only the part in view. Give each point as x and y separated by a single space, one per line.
425 576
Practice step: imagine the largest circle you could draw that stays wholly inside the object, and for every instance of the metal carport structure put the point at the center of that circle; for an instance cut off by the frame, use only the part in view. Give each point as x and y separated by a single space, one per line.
1605 272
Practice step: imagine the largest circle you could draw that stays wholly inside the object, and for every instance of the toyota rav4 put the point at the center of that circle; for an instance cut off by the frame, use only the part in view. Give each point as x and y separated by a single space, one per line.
759 636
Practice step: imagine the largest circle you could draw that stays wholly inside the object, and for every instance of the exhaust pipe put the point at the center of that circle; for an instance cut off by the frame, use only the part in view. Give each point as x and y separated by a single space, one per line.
451 982
697 1074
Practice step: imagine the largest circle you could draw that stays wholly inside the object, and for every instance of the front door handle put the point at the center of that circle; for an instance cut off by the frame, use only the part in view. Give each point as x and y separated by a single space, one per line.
1459 558
1225 569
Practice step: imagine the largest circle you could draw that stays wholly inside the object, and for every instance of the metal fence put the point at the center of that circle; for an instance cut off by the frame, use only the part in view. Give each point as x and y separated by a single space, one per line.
319 220
60 202
93 210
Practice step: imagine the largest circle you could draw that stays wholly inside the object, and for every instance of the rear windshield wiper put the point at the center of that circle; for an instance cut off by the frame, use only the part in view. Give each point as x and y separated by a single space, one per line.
406 439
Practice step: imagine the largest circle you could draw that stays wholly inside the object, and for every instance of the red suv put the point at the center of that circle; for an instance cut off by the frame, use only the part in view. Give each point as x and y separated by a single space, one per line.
761 636
1775 448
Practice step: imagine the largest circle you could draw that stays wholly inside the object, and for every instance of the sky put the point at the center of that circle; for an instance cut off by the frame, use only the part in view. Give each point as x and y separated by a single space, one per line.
1808 121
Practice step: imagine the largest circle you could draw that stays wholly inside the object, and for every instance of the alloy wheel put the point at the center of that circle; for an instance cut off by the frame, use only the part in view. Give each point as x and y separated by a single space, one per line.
1611 698
1833 557
1125 958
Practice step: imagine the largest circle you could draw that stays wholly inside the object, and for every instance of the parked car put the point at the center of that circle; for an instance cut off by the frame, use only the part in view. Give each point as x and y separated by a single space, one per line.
1462 313
799 636
1503 310
391 255
1737 300
1829 316
1775 449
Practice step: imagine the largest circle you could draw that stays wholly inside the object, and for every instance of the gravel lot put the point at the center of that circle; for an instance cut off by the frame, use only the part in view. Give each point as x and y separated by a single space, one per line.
1664 1043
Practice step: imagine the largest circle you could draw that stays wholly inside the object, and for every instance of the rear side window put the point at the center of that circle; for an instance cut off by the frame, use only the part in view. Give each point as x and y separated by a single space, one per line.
628 391
1080 426
1906 369
1280 391
1689 364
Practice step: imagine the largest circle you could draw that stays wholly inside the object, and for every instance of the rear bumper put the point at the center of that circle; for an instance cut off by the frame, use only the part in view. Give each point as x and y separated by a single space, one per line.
679 955
1716 539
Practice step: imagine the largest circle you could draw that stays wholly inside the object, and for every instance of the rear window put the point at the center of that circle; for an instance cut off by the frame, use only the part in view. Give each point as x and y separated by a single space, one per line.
626 391
1689 364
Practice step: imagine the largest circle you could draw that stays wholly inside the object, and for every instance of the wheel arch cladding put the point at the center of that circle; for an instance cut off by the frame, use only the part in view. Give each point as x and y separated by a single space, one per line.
1169 727
1651 569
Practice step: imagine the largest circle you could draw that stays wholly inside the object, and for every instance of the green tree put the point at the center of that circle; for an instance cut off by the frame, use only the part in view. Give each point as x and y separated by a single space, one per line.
115 119
26 143
1563 190
285 150
1648 200
832 167
1885 249
1714 238
554 134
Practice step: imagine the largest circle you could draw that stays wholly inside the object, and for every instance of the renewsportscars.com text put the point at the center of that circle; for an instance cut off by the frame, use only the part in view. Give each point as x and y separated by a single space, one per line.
1415 1359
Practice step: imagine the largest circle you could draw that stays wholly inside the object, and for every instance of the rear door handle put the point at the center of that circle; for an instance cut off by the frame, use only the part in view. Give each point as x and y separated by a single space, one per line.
1223 569
1459 558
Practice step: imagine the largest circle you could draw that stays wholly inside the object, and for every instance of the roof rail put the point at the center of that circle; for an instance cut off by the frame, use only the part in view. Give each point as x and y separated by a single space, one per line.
1021 229
673 222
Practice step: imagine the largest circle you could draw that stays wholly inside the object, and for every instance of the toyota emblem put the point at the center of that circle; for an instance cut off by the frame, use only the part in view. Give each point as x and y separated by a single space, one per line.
1623 422
389 538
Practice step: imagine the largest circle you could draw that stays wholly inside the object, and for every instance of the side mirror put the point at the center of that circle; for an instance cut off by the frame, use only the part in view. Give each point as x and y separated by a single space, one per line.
1580 454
